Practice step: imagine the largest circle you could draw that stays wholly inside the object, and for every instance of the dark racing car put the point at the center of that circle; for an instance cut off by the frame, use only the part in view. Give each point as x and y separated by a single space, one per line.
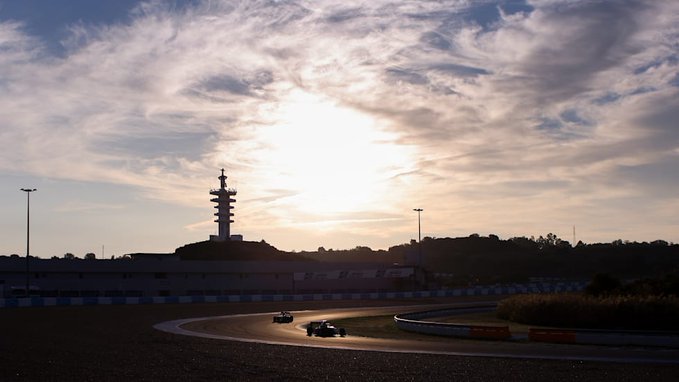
283 318
324 329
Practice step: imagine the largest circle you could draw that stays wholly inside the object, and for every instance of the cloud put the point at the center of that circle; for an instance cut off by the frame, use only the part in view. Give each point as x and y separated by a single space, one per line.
79 206
529 102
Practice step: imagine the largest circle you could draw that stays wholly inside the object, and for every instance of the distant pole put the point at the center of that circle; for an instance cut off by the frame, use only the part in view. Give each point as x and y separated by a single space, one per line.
28 234
419 235
574 237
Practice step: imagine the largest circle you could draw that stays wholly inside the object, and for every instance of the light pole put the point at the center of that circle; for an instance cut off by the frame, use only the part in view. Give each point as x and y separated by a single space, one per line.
419 236
28 234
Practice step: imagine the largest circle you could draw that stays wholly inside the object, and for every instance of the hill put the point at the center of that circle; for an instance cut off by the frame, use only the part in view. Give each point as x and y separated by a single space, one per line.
235 251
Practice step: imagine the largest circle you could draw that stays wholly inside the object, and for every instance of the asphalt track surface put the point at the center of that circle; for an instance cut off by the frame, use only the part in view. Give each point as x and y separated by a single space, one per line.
258 328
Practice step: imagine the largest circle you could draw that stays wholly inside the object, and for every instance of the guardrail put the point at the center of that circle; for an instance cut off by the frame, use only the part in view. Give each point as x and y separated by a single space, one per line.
412 322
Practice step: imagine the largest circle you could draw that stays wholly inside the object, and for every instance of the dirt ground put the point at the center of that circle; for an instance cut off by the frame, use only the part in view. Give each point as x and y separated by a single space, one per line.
113 343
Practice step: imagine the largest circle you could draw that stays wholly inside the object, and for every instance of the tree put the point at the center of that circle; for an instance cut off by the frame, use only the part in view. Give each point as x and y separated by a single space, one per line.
602 284
69 256
524 242
90 256
551 241
361 248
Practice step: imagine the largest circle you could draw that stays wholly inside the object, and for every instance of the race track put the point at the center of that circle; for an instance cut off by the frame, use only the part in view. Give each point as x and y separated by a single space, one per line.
260 329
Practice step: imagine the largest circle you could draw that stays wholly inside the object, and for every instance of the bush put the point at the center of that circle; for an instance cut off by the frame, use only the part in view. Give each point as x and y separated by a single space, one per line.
581 311
666 286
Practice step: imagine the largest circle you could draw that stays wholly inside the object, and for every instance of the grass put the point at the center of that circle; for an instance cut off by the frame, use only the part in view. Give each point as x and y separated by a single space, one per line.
374 326
384 326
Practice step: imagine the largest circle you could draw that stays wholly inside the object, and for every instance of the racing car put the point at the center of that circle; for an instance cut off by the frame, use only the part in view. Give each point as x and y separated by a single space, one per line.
324 329
283 317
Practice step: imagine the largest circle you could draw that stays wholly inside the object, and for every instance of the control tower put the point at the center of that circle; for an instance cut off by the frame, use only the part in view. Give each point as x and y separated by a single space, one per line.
224 207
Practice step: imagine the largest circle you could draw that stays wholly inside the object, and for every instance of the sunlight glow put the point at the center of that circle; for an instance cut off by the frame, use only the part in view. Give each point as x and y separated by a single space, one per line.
336 158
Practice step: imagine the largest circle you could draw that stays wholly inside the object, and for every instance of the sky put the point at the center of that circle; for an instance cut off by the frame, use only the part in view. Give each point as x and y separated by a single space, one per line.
334 120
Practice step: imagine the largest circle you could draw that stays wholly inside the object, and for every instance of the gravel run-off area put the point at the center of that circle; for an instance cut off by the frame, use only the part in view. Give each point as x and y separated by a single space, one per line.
102 343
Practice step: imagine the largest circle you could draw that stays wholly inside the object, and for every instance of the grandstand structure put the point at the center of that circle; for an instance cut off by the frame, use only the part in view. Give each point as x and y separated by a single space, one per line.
150 275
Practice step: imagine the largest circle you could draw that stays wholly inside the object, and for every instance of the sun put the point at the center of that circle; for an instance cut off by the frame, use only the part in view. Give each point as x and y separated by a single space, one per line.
335 158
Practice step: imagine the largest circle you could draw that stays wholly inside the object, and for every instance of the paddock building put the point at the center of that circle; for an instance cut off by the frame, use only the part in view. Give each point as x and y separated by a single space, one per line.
146 275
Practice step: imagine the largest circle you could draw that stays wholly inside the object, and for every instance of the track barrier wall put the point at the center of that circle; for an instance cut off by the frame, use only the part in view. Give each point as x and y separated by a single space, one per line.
414 322
605 337
470 291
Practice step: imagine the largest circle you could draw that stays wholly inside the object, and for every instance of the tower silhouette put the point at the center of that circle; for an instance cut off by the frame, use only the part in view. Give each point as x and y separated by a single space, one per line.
224 207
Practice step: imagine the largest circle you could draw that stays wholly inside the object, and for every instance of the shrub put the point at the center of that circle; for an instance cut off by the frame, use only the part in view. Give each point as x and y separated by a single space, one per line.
582 311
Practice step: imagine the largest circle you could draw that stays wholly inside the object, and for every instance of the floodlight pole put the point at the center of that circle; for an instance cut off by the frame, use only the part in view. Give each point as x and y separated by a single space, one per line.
419 235
28 234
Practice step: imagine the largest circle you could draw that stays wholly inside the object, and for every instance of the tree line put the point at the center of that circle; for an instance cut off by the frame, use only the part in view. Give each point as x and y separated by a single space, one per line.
489 259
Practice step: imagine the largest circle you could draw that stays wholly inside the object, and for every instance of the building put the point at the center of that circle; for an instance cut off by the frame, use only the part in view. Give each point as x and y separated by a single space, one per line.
149 275
224 265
